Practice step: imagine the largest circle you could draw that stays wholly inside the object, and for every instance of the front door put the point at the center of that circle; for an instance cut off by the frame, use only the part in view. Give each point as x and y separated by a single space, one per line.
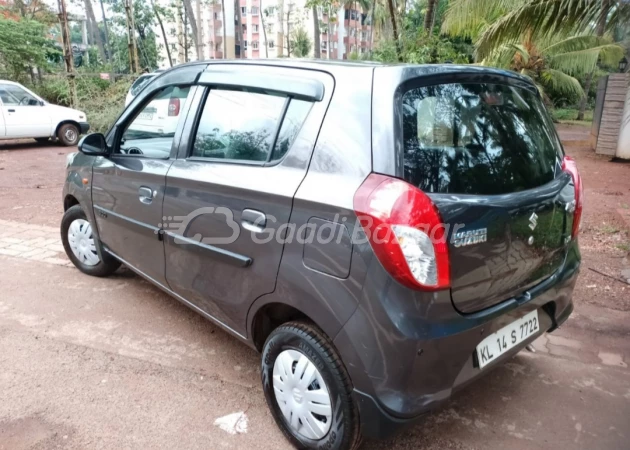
229 198
128 191
24 115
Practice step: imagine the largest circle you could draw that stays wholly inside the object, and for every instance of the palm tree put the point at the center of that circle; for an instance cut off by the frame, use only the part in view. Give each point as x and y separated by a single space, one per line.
599 32
554 61
392 15
494 22
429 17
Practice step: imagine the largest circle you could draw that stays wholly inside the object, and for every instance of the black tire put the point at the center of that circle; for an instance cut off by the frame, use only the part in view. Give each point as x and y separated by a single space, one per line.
106 265
68 134
344 433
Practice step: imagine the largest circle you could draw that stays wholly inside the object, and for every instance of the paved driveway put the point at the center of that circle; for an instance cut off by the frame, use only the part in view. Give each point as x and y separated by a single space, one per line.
115 363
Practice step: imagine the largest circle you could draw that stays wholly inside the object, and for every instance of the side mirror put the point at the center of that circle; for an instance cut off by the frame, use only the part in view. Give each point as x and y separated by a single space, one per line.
94 144
42 103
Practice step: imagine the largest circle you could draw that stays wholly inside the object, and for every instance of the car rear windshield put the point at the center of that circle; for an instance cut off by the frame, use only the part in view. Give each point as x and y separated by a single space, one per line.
481 139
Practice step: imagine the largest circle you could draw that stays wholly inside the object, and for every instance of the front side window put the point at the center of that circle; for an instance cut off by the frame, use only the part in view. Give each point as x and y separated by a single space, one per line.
241 126
16 96
481 139
152 130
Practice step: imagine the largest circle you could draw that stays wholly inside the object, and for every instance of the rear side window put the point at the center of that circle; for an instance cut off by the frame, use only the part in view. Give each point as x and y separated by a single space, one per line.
140 84
479 139
242 125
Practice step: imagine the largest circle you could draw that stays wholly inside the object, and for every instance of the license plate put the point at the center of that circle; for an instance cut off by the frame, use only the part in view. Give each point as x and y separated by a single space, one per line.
507 337
145 116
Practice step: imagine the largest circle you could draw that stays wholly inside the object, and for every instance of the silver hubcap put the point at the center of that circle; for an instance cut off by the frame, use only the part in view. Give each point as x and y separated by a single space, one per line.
71 135
302 394
82 242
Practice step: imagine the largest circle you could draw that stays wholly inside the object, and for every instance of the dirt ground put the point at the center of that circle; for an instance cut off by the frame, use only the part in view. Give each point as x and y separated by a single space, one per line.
115 363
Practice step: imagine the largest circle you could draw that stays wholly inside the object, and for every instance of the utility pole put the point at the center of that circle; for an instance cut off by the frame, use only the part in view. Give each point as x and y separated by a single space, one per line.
84 39
68 56
132 44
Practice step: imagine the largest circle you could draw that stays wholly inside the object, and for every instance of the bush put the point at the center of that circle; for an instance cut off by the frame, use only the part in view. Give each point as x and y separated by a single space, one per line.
558 114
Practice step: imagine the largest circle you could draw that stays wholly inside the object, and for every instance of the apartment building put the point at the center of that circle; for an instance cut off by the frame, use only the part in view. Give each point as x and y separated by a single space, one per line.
265 27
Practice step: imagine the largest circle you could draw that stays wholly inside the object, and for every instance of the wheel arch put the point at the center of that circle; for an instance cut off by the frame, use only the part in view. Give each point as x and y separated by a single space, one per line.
69 201
65 122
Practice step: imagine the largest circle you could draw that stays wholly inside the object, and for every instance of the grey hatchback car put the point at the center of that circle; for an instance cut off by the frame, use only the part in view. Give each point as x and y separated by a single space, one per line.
383 235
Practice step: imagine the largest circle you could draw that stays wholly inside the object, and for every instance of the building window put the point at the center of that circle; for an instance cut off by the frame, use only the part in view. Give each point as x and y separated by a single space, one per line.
243 11
255 45
245 45
216 16
324 45
254 10
255 28
218 31
271 44
244 28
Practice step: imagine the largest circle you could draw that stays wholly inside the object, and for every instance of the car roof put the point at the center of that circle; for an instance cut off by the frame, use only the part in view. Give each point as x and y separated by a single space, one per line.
405 71
10 82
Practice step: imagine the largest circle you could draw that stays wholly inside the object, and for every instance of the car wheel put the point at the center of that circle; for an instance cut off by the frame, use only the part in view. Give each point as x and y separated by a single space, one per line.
80 245
308 389
68 134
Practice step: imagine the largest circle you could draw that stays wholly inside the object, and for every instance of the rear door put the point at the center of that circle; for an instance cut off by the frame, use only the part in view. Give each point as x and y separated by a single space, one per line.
490 159
229 194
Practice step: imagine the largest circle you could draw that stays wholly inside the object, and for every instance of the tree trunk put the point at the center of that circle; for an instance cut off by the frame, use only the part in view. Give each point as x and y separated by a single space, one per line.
328 30
392 14
262 24
106 29
97 33
428 18
280 43
224 30
435 10
372 26
200 51
193 27
239 28
159 19
316 34
599 31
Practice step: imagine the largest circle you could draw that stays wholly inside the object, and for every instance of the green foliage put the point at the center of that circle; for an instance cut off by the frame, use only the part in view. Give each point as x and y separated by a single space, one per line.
23 45
418 48
563 114
101 100
300 43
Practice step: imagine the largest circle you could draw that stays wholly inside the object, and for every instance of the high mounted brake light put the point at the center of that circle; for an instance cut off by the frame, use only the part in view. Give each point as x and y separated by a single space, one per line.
405 230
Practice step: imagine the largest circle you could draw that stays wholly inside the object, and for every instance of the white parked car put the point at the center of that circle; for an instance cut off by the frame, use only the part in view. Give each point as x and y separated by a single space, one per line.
26 115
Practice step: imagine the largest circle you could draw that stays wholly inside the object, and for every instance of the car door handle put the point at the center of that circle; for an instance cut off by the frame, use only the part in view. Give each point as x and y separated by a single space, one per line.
254 221
11 110
145 194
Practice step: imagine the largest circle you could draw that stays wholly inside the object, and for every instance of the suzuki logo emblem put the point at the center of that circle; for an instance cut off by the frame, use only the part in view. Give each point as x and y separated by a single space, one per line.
533 221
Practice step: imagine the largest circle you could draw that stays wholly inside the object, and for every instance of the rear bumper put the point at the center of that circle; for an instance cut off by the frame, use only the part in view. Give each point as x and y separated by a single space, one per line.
408 352
84 127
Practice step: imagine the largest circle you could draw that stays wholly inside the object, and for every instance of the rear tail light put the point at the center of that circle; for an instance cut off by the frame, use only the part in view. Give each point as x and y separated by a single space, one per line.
569 165
405 231
173 106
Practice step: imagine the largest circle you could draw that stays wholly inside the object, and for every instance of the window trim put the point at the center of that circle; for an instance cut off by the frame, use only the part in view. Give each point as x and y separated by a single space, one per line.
197 120
120 128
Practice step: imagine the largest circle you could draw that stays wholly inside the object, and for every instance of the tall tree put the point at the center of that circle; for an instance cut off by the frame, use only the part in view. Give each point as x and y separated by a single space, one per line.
429 18
106 29
239 27
300 42
316 33
193 27
263 13
392 15
224 28
164 37
94 27
599 32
